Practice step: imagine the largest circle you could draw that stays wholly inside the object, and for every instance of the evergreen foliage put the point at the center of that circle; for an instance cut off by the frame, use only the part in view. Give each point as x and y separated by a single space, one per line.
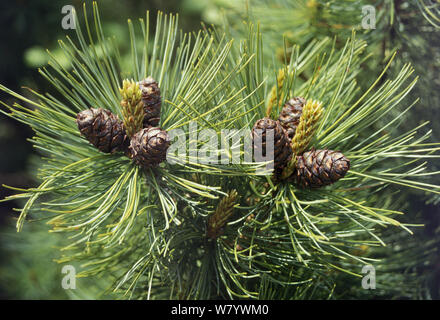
154 232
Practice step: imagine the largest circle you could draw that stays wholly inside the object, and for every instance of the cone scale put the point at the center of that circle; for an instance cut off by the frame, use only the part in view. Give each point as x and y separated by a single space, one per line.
282 150
103 129
149 146
318 168
291 114
152 102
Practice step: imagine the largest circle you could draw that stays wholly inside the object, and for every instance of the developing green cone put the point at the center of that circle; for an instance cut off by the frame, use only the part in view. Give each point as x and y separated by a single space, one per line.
304 133
291 114
132 107
151 100
103 129
149 146
318 168
218 219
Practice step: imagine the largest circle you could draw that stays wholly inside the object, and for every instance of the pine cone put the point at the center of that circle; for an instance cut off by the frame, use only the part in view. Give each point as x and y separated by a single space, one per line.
149 146
103 129
222 213
290 115
317 168
151 100
282 149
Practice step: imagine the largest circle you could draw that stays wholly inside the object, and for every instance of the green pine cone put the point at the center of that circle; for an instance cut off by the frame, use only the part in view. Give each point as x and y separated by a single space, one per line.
318 168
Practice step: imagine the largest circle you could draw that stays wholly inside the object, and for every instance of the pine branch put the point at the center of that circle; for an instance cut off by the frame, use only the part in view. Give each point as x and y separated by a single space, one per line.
132 107
286 237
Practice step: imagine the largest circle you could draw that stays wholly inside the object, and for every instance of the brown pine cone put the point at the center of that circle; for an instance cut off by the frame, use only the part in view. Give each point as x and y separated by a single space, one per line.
151 100
282 149
103 129
317 168
149 146
290 115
